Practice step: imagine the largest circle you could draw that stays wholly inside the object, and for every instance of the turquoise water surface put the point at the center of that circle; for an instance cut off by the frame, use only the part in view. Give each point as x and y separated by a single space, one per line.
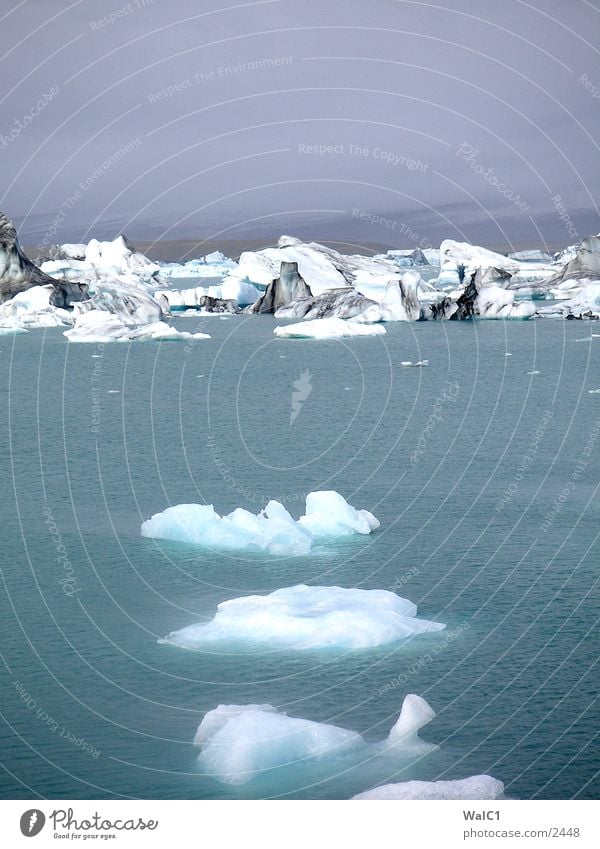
483 475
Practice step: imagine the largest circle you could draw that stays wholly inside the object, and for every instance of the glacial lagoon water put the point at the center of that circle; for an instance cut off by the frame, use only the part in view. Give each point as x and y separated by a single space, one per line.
482 468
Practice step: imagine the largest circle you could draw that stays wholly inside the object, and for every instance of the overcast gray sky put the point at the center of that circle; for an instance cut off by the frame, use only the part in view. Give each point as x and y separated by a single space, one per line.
176 118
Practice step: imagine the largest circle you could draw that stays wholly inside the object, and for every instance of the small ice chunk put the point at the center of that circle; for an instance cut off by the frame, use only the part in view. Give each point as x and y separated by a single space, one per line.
474 788
328 328
328 514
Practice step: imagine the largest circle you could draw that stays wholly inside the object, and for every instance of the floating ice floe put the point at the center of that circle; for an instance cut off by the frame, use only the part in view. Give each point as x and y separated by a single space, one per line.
101 327
418 364
239 742
303 617
328 516
32 309
228 296
100 259
328 328
321 267
584 304
474 788
215 264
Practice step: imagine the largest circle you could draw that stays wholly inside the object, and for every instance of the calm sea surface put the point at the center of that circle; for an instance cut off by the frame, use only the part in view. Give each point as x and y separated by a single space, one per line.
484 477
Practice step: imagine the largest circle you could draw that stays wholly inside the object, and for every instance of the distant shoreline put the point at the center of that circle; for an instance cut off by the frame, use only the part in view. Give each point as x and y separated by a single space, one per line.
182 250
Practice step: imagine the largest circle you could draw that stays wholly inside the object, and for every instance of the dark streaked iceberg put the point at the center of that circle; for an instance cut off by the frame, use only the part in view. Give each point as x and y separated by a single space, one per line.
289 286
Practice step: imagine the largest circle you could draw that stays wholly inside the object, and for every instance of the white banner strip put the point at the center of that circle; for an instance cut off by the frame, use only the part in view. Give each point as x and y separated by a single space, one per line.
301 824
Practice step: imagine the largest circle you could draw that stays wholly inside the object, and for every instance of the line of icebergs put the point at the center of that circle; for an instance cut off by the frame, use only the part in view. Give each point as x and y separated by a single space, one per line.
240 743
299 280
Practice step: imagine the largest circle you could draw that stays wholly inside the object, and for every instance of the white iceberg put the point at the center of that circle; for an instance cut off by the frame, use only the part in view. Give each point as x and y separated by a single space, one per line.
32 309
459 260
215 264
474 788
303 617
321 267
328 514
273 530
496 302
240 293
238 742
328 328
585 304
101 327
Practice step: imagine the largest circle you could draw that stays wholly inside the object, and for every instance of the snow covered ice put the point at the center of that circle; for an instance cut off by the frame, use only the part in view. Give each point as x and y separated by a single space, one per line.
327 328
473 788
101 327
303 617
273 530
238 742
32 309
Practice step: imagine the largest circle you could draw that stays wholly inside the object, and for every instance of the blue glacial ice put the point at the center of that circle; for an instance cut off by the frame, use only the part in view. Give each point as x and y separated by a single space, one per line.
474 787
303 617
273 530
239 742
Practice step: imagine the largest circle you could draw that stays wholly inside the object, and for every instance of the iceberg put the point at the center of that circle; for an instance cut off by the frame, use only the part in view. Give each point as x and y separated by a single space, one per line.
460 260
215 264
289 286
328 328
328 514
581 263
225 297
101 327
273 530
31 309
17 272
336 303
584 305
239 742
488 302
321 268
476 787
303 617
